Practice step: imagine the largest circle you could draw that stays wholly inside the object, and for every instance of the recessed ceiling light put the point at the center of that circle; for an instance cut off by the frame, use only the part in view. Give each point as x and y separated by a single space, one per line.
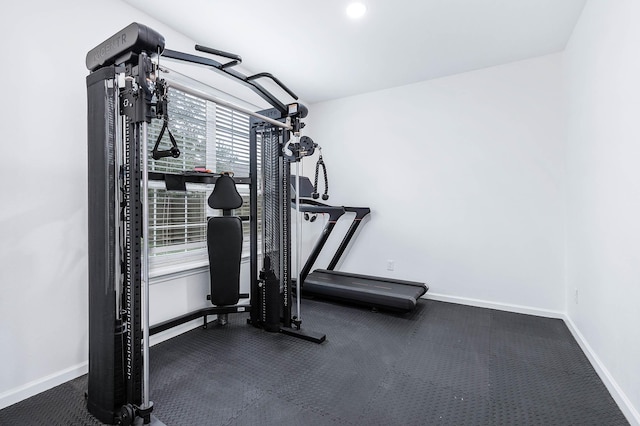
356 10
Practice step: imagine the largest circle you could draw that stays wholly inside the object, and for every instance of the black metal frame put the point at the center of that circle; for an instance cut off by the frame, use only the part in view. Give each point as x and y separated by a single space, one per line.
309 205
115 382
290 325
248 81
202 313
105 392
256 125
335 213
361 213
115 214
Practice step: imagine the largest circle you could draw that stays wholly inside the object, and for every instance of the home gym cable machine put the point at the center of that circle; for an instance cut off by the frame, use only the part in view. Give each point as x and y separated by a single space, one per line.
124 94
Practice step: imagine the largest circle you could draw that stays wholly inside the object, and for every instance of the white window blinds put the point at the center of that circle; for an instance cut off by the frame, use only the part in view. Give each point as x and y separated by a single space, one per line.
188 123
232 141
209 136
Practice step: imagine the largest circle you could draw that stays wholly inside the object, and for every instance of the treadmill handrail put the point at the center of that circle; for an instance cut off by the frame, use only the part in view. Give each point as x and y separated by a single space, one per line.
335 212
334 215
361 213
311 205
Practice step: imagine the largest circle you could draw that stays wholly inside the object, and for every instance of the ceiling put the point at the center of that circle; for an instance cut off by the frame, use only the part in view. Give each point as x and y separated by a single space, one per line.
321 54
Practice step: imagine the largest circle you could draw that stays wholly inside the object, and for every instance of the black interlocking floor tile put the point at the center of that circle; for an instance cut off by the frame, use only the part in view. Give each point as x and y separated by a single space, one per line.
440 364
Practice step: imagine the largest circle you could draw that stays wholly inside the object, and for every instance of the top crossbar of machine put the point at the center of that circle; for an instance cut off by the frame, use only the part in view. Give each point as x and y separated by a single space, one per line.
225 69
203 95
137 38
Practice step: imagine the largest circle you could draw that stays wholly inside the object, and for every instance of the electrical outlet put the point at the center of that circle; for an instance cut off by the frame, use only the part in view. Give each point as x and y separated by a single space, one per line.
391 264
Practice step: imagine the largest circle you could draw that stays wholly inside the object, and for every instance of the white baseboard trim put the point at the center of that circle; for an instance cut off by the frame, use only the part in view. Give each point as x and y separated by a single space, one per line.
35 387
627 408
176 331
519 309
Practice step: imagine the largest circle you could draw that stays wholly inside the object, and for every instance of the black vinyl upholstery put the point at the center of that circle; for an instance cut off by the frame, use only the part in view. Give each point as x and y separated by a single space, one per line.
224 243
225 195
224 240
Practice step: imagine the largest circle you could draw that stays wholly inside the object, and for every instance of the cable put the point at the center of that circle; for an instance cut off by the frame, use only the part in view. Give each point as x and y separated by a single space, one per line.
320 163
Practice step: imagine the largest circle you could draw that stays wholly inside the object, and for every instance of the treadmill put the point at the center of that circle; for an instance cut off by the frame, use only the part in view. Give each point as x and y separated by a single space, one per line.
366 290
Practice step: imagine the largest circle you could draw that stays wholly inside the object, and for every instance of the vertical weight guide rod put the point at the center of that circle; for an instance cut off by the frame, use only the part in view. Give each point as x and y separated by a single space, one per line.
134 110
146 403
298 244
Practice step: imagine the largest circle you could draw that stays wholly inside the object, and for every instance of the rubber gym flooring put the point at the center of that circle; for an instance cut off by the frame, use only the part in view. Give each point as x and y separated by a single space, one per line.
443 364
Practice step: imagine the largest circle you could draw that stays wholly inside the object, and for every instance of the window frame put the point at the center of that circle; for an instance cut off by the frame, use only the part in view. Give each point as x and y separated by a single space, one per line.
223 124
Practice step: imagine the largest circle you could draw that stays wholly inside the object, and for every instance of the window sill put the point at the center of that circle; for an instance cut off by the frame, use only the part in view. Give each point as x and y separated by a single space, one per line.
164 273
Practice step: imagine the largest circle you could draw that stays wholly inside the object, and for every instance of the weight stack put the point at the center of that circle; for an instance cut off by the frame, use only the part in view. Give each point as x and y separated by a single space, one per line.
270 298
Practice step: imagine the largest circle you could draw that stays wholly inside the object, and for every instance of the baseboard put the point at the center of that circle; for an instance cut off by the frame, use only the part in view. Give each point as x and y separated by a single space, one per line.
520 309
35 387
175 331
627 408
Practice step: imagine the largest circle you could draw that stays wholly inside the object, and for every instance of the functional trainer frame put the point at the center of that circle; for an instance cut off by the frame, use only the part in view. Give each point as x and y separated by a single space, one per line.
118 284
122 99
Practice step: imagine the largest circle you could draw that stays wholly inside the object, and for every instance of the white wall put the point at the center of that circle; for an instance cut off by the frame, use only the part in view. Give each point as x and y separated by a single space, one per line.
603 186
43 220
464 176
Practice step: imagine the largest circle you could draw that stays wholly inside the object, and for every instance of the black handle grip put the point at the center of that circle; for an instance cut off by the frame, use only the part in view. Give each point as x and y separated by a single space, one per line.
236 58
173 152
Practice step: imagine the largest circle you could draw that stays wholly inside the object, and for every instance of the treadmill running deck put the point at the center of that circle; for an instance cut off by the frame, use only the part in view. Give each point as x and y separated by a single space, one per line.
377 292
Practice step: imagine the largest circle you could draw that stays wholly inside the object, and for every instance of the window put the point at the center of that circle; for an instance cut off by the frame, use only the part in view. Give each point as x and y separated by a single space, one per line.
177 221
232 141
210 136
